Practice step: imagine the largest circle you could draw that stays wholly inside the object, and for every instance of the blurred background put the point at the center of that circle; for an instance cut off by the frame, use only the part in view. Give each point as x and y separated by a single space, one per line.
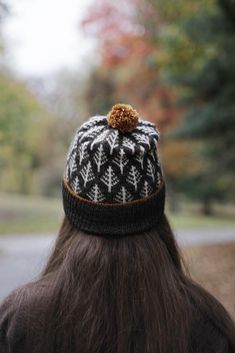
61 62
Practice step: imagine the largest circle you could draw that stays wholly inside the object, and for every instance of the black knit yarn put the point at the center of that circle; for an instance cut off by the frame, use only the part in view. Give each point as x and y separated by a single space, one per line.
113 182
113 219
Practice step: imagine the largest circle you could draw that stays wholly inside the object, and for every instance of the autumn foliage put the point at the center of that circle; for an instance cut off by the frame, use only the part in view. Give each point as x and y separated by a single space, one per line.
129 65
129 56
157 54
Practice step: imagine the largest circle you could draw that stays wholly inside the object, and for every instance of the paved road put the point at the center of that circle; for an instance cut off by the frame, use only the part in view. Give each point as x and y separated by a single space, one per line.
22 257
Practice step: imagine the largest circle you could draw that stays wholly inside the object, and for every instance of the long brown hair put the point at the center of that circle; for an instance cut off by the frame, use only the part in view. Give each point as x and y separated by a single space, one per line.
118 295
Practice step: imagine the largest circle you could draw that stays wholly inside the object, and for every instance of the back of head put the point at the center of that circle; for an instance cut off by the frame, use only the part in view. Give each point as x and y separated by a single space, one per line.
114 282
119 294
127 295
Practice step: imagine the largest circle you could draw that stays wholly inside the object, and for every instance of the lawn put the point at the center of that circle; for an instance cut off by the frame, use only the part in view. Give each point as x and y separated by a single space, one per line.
29 214
34 214
184 220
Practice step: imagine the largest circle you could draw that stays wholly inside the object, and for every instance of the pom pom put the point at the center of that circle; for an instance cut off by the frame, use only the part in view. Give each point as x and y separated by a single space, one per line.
123 117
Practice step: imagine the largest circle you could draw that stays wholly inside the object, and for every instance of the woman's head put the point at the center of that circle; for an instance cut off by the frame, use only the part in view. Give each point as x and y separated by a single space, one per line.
117 273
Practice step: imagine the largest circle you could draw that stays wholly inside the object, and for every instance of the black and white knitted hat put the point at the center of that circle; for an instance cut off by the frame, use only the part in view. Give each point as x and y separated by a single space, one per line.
113 182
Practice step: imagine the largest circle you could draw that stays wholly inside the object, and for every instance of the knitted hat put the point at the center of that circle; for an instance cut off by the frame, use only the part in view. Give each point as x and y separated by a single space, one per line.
113 183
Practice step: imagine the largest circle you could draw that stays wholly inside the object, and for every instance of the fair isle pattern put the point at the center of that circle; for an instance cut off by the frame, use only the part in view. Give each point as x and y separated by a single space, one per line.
105 165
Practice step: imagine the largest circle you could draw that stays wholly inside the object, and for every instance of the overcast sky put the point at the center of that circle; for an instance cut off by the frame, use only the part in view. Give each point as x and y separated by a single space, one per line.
44 36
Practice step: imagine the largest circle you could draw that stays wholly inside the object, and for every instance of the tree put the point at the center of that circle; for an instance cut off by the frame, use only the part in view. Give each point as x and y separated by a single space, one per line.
127 63
134 177
4 11
28 137
95 194
87 173
154 53
109 178
121 160
123 195
99 92
210 101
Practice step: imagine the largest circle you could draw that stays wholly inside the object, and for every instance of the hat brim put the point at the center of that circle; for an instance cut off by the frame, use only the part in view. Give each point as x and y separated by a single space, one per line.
113 219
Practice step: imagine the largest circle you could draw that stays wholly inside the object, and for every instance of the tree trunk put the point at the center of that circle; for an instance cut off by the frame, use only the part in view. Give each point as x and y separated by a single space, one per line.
173 201
207 207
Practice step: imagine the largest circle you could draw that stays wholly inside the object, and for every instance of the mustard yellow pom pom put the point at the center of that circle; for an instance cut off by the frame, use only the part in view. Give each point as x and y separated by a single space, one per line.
123 117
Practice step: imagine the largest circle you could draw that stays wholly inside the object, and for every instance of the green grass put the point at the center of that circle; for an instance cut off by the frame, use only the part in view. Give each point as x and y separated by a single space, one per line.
29 214
33 214
185 220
